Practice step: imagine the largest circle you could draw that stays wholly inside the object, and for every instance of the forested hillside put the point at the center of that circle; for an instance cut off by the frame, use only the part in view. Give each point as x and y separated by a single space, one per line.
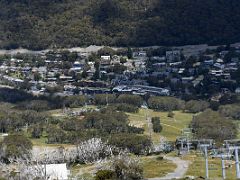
38 24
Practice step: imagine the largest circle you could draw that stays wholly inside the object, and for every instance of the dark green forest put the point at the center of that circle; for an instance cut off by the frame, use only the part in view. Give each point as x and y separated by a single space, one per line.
39 24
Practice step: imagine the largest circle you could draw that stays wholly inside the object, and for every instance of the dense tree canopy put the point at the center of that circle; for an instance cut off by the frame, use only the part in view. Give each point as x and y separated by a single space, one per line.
211 125
230 111
165 103
75 101
104 99
15 146
134 143
130 99
40 24
195 106
13 95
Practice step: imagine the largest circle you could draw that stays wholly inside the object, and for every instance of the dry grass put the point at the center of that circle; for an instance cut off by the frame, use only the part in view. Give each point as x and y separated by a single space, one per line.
172 127
152 167
197 167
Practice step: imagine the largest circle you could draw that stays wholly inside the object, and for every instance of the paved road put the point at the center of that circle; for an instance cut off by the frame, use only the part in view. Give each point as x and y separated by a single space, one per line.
187 50
180 171
88 49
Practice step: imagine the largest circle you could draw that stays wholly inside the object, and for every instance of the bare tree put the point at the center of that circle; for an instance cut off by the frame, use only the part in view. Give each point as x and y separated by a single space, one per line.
161 146
34 166
93 150
127 167
23 169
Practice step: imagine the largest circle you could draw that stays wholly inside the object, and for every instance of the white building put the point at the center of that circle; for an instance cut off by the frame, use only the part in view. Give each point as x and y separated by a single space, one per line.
56 171
237 90
106 58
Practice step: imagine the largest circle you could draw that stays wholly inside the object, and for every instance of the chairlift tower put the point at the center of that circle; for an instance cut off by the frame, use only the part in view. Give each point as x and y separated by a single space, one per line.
205 150
205 146
148 119
185 139
234 145
223 158
230 143
223 155
236 149
188 133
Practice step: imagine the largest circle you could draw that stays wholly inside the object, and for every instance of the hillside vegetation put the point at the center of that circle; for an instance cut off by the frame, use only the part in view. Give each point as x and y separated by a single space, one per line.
39 24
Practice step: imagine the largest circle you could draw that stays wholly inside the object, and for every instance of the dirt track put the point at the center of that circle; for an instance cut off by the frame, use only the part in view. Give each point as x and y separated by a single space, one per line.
180 171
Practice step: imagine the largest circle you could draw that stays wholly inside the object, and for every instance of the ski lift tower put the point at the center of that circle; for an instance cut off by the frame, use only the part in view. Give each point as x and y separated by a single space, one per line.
234 145
187 133
204 145
204 148
184 141
223 154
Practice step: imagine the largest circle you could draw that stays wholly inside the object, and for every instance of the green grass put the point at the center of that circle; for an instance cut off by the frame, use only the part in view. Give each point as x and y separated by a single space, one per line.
151 168
42 141
55 113
39 142
83 171
172 127
156 168
237 123
197 168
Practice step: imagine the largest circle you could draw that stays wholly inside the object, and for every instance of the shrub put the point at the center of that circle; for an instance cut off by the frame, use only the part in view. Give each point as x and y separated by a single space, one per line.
156 124
55 135
159 158
133 129
104 175
15 146
126 108
195 106
36 105
127 168
171 114
36 131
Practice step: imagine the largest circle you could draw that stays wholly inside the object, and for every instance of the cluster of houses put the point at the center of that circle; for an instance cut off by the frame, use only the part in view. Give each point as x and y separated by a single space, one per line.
163 75
177 70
